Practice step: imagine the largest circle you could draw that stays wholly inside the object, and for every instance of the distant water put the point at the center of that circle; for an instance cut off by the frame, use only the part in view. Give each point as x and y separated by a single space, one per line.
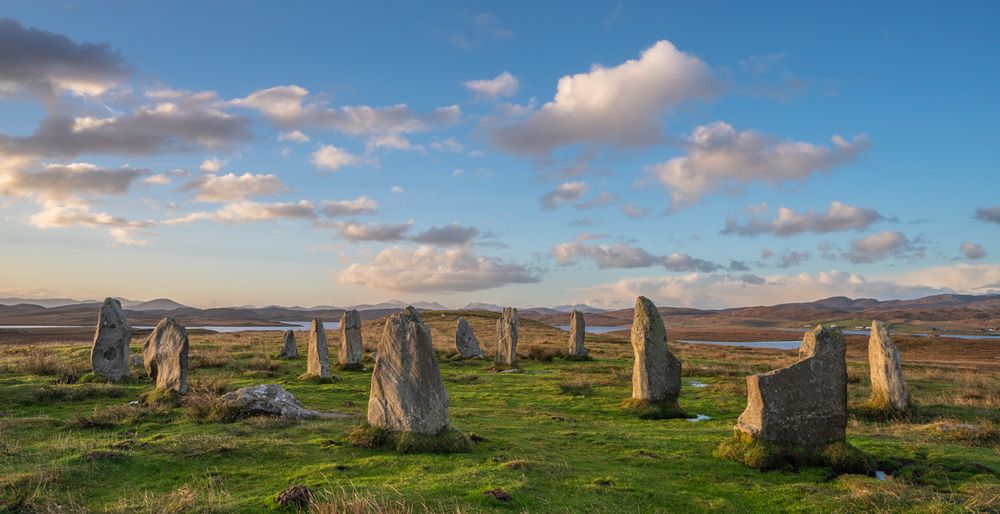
866 331
596 330
780 345
291 325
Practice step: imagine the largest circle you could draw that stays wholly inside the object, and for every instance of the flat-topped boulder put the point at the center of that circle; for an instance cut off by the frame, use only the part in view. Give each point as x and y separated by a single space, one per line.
109 356
507 334
351 351
165 356
318 357
465 341
577 334
888 389
805 403
407 391
656 373
289 350
272 400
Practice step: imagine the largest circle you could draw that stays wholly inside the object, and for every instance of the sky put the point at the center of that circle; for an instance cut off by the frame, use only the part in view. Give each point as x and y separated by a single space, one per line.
702 154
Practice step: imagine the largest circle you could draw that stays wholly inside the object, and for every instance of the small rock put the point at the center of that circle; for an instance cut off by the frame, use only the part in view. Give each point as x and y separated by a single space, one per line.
294 496
499 495
269 400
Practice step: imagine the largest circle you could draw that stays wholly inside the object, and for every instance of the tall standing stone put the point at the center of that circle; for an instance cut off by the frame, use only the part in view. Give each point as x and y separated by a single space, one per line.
407 391
351 351
888 387
165 356
109 356
577 333
507 331
804 403
465 341
656 373
318 364
290 350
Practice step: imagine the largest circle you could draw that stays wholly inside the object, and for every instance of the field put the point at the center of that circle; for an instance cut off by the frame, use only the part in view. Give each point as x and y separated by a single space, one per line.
553 438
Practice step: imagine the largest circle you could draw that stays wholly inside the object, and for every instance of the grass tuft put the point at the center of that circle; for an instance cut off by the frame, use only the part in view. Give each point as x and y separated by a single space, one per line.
448 440
646 409
160 398
840 456
577 387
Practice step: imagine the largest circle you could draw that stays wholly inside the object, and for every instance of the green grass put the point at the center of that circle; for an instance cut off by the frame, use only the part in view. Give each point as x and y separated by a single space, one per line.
547 447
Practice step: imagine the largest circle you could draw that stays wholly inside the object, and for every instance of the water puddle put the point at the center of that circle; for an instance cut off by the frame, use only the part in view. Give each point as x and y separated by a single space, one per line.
699 417
695 383
881 475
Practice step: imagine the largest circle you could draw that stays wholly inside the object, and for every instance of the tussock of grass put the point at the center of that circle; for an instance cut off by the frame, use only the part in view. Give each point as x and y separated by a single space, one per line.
448 440
263 364
208 359
841 457
316 380
646 409
160 398
370 502
351 367
543 353
49 394
211 408
466 378
577 387
113 416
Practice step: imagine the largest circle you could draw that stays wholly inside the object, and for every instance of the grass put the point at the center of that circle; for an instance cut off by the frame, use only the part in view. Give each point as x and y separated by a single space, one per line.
448 440
646 409
81 447
840 457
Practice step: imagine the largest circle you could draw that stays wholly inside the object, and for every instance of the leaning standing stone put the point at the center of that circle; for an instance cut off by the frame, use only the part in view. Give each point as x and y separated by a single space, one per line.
109 355
466 342
351 350
577 331
889 390
290 350
805 403
507 328
656 373
165 356
407 392
318 364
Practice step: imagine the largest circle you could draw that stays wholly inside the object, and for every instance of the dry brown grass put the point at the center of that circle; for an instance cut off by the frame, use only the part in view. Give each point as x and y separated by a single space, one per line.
209 358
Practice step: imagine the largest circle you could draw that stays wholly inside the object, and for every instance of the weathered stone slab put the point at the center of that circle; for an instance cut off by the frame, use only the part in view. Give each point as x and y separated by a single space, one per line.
888 387
465 341
290 350
804 403
351 350
318 363
577 334
507 333
109 357
407 391
656 373
165 356
270 400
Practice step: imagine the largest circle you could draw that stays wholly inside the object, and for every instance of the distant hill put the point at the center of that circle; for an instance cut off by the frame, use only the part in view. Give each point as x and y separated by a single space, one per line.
159 304
479 306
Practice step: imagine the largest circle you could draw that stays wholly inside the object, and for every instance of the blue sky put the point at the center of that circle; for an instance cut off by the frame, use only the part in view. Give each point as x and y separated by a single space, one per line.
702 154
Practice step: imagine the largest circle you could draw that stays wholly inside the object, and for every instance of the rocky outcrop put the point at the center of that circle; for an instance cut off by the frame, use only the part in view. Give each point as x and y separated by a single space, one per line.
318 363
407 391
805 403
268 400
656 373
290 350
507 333
889 390
351 351
109 357
165 356
465 341
577 333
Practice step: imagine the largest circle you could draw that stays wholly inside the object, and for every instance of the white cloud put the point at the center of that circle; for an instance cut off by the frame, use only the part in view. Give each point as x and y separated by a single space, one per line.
721 157
838 217
447 235
622 105
160 179
212 165
448 145
427 269
988 214
565 193
355 207
396 190
295 136
972 251
502 85
392 142
725 290
62 181
329 157
232 187
60 215
382 232
882 245
622 256
634 211
249 212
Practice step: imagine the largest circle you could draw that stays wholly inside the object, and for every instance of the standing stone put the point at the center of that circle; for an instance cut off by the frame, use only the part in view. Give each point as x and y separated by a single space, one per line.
165 356
507 328
577 331
351 352
806 402
888 387
407 391
109 355
290 350
466 342
656 373
318 364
